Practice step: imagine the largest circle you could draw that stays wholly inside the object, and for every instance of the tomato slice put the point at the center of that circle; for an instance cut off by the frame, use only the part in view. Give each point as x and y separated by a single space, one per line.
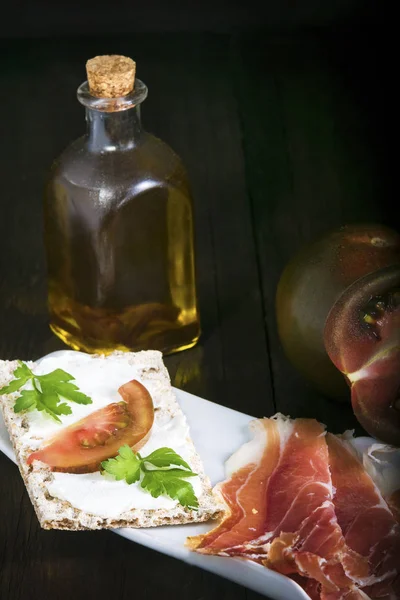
81 447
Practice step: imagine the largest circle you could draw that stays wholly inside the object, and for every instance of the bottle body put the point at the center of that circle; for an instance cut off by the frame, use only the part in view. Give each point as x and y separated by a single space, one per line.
119 243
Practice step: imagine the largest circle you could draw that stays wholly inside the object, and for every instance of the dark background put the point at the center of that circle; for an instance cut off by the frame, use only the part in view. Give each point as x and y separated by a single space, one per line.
43 18
284 114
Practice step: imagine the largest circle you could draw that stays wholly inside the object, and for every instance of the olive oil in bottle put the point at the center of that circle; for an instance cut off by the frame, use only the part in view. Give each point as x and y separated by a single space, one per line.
119 227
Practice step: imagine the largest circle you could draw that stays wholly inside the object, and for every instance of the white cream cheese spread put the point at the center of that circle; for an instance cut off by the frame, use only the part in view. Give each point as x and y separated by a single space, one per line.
100 379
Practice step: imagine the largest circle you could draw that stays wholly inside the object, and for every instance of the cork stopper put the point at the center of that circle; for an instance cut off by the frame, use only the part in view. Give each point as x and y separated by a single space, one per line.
110 76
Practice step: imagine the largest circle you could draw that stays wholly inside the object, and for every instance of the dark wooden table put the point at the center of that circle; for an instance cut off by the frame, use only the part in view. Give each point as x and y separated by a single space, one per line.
283 138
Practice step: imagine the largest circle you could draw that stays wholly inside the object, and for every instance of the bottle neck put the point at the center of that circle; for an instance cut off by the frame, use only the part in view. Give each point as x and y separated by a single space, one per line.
112 131
113 123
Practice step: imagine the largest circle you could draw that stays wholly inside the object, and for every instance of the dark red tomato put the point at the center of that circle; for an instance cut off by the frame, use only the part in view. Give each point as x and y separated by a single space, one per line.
81 447
314 281
362 338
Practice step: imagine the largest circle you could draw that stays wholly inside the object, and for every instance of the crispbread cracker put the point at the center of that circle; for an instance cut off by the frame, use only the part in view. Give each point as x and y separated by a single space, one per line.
57 514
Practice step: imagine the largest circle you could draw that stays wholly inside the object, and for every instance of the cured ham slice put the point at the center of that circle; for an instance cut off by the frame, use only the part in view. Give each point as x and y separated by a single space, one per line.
311 506
248 471
369 526
382 463
394 504
353 594
281 512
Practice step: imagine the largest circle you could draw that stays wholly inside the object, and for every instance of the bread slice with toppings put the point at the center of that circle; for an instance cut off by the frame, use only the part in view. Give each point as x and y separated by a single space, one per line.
90 500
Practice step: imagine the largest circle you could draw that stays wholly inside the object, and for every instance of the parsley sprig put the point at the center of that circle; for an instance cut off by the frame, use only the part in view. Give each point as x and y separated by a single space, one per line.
163 472
48 392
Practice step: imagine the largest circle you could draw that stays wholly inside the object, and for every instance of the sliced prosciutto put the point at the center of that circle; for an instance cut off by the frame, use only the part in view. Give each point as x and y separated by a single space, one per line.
248 471
281 512
382 463
394 504
368 523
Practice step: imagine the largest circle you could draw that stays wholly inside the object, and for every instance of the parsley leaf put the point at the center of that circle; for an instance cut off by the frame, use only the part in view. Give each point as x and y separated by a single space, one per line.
50 403
124 466
22 374
27 400
171 482
155 473
166 457
47 393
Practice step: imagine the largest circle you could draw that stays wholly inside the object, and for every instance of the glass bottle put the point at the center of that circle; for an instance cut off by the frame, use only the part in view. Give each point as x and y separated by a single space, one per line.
119 232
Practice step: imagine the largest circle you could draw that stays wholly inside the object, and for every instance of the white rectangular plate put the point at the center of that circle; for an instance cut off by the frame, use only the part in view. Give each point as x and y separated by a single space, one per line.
217 432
